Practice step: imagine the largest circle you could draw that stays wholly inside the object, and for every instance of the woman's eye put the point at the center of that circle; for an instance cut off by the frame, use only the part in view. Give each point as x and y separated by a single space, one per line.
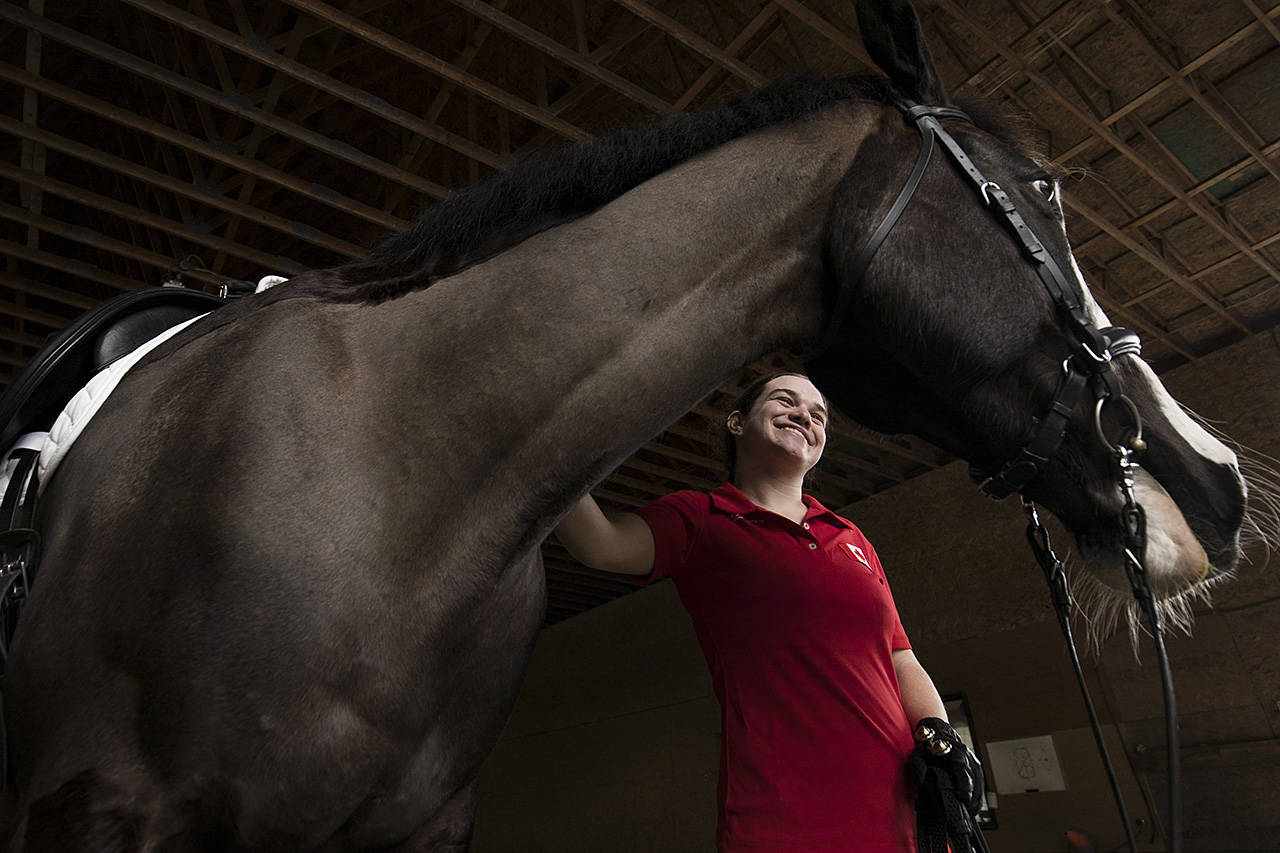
1048 189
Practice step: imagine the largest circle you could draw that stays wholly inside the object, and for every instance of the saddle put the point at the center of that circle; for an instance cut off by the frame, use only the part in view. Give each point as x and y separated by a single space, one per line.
34 399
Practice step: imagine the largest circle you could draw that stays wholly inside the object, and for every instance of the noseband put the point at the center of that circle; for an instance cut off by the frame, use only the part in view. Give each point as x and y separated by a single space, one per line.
1087 367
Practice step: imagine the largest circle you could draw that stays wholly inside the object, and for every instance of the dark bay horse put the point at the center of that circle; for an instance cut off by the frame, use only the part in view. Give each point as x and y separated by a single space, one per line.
291 575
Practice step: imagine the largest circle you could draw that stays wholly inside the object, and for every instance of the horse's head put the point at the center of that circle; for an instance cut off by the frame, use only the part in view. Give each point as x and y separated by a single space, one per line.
958 340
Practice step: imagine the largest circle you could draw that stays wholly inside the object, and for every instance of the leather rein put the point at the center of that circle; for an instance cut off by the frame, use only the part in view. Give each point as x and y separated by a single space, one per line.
1087 369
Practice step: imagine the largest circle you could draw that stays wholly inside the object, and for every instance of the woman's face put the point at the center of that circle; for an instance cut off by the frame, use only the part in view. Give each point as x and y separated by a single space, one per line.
788 418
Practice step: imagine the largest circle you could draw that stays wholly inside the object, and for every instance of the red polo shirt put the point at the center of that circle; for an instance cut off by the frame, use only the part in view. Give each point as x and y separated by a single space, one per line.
798 627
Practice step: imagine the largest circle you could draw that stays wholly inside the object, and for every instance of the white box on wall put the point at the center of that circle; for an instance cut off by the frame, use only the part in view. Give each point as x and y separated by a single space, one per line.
1025 765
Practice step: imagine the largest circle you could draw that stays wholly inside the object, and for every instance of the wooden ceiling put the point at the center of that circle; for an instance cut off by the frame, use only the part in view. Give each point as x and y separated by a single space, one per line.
147 141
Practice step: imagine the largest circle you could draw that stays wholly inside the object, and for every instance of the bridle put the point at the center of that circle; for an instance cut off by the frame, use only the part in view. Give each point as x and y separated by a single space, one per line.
1087 369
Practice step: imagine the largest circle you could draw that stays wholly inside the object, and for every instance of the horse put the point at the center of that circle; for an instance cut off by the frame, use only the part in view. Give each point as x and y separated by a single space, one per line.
291 573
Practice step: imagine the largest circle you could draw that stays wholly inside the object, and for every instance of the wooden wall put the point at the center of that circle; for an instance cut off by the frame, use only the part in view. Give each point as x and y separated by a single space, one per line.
613 745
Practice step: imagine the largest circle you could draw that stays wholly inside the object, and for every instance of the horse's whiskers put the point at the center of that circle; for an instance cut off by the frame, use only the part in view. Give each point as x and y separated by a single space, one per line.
1079 173
1105 609
1261 474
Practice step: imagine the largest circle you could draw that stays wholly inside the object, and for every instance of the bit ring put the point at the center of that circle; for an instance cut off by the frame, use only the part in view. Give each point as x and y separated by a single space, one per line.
1136 444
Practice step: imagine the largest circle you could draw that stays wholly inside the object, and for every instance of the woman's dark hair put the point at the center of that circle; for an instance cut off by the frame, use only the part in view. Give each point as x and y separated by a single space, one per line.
745 403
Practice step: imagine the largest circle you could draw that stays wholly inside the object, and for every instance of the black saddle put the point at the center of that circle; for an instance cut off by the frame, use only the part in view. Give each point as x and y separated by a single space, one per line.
94 340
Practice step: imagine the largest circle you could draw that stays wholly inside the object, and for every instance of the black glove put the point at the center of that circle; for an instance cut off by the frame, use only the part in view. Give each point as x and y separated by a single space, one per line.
938 745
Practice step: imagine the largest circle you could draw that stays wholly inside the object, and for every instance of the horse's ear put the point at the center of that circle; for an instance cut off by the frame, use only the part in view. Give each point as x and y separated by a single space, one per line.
893 37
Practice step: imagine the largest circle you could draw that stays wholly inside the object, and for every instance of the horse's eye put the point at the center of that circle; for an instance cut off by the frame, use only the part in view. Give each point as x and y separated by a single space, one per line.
1048 189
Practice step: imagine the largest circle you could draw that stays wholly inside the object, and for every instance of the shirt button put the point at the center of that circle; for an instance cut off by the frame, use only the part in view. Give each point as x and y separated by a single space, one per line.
813 546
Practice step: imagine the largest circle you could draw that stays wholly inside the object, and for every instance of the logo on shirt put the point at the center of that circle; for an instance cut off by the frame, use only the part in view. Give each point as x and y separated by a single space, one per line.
858 555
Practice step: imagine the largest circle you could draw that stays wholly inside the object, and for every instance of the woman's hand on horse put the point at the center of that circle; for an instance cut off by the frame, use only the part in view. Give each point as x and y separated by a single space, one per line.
619 543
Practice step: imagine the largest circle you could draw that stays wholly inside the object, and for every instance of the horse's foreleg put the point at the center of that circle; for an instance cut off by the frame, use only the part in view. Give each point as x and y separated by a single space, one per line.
87 813
449 829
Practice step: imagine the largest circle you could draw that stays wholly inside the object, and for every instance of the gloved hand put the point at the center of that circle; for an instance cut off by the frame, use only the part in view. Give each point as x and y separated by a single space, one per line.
938 745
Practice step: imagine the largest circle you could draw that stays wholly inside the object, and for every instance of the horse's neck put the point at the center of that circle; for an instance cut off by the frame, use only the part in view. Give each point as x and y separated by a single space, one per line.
595 335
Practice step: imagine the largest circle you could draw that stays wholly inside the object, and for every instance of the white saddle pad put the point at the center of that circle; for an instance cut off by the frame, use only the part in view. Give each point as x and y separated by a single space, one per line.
54 444
85 404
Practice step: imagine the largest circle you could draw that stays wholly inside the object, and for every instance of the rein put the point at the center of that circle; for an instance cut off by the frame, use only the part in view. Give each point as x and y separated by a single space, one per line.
1087 368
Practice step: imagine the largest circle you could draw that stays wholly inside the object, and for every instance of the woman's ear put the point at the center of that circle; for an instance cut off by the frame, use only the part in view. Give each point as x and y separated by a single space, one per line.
733 423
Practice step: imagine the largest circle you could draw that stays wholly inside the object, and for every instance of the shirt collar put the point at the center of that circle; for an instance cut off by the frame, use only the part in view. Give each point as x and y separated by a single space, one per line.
729 500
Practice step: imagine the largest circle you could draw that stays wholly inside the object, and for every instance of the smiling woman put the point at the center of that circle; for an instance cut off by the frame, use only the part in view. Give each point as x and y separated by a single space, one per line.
746 402
819 690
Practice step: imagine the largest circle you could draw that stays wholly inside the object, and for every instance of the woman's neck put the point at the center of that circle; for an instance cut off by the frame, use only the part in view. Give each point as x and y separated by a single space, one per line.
780 496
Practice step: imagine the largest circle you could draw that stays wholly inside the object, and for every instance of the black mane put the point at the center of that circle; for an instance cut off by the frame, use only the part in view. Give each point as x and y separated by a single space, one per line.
545 191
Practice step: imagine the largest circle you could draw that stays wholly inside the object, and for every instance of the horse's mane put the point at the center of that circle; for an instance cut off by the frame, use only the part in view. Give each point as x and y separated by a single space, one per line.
544 191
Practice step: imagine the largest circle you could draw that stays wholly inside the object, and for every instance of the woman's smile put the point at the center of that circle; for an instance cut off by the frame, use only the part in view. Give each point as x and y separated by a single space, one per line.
807 438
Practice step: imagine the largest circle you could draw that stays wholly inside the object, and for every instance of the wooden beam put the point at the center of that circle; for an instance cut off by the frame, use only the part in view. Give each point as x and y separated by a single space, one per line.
86 237
577 94
1203 186
1159 263
1144 322
752 35
419 149
227 102
1206 216
323 82
1180 81
81 269
22 339
181 188
1203 59
827 30
78 302
13 360
259 133
33 154
218 153
1264 18
572 58
693 41
439 67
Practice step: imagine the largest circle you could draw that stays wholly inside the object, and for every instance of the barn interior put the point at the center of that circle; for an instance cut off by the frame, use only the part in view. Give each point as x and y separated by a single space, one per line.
191 143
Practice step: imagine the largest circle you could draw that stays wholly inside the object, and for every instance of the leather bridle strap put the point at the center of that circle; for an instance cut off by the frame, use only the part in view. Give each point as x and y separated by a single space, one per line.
863 260
1089 365
925 117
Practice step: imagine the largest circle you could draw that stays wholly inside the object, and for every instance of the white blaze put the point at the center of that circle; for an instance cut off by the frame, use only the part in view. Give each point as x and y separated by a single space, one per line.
1191 432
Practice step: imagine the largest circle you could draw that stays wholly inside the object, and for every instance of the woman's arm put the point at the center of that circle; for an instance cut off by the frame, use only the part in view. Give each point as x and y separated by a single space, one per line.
618 543
920 698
